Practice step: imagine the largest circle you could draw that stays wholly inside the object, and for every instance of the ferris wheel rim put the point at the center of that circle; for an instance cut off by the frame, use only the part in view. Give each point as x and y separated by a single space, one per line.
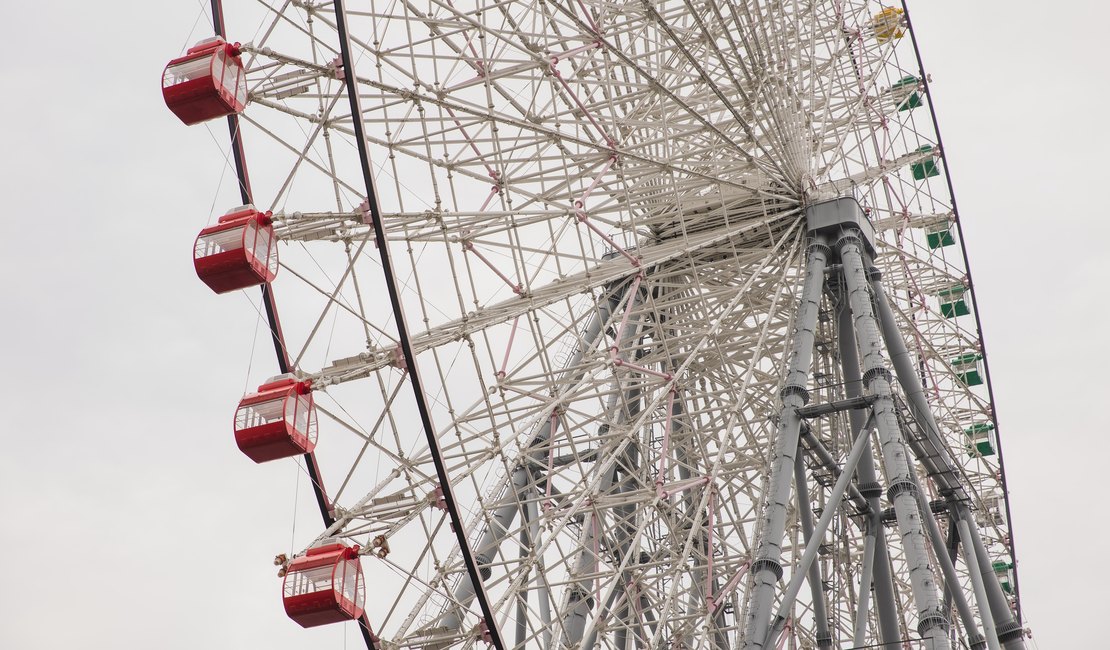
505 310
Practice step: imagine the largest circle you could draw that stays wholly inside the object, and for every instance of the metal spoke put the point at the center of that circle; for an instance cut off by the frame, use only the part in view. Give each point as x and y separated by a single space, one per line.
594 242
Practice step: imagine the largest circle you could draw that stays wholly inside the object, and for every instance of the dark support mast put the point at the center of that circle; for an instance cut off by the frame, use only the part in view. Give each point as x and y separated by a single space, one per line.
403 332
269 303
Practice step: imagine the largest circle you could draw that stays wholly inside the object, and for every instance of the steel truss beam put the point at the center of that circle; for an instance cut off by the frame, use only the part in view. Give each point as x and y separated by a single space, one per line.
528 476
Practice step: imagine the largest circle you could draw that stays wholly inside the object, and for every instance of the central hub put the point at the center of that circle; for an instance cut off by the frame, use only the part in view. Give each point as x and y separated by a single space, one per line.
830 218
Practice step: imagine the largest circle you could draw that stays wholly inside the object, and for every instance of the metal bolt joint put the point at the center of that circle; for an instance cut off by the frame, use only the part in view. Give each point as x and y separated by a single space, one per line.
794 389
932 619
767 564
901 487
875 373
1009 631
870 490
818 247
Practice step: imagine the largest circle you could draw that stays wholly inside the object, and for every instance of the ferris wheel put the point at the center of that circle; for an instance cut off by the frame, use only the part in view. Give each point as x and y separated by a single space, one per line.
615 325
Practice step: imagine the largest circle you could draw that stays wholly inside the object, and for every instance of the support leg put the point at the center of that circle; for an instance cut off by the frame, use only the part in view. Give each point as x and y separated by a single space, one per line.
933 625
816 581
526 542
951 580
502 519
621 408
767 567
885 605
1009 630
1010 633
810 554
862 610
977 585
953 551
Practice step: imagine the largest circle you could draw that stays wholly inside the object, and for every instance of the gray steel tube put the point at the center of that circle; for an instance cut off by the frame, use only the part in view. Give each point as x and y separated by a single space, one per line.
821 454
933 625
977 584
503 516
543 595
526 541
885 603
816 581
580 598
1010 633
810 553
860 629
591 638
940 463
919 405
951 580
494 534
767 568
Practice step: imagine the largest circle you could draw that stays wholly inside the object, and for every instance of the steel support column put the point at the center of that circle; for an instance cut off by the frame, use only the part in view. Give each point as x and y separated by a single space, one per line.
1010 632
859 630
951 580
977 585
933 624
499 525
816 580
814 544
923 414
767 567
885 604
526 541
580 599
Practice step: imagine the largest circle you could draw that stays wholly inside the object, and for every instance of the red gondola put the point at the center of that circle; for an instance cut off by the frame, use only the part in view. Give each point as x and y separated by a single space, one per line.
208 82
238 252
278 421
324 586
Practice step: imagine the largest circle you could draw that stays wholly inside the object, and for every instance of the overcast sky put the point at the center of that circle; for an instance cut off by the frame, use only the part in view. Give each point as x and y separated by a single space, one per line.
128 520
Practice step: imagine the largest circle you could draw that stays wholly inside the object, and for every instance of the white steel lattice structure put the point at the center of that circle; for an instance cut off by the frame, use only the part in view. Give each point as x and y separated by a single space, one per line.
644 335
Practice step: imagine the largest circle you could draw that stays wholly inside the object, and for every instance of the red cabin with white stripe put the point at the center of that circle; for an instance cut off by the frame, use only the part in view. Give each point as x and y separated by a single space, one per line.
324 585
238 252
278 421
208 82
